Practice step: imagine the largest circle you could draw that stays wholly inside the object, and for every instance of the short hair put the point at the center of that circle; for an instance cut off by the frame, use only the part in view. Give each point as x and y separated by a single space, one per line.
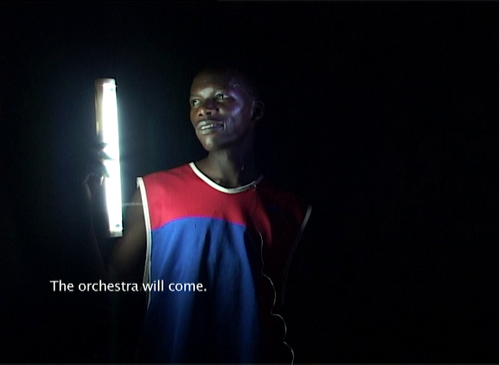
244 75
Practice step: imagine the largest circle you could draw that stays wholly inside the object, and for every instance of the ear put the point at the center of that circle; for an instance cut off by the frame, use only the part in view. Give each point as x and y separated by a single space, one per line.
258 110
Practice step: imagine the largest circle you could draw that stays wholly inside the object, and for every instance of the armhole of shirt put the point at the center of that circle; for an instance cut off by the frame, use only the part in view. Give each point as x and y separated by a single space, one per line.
147 266
293 249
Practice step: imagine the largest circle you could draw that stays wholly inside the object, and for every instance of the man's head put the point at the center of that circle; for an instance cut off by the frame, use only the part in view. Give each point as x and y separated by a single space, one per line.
224 108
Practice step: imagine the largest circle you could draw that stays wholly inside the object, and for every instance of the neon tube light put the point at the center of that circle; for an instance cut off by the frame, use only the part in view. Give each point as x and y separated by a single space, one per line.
106 125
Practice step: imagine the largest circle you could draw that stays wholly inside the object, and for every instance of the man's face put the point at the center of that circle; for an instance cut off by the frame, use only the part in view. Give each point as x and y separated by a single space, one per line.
221 110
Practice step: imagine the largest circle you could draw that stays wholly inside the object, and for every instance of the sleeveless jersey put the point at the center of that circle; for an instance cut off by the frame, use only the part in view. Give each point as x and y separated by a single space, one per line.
219 259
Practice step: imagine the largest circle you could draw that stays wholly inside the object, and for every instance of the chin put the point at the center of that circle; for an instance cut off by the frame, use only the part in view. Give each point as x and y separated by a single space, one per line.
212 148
210 144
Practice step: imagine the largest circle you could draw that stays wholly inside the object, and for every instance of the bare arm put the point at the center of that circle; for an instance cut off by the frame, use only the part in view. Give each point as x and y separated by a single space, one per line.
128 257
126 262
127 265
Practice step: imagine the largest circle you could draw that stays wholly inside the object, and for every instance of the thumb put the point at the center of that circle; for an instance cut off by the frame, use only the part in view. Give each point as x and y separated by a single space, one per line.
91 184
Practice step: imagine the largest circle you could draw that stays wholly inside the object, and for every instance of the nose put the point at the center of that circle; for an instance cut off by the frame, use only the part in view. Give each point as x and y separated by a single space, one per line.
208 108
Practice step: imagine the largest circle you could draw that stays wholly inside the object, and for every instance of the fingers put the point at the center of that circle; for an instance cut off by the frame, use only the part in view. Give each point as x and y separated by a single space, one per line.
91 184
94 171
99 154
97 157
94 179
98 168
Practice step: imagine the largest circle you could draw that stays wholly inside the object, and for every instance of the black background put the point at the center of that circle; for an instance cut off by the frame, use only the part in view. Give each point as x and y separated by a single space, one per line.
382 114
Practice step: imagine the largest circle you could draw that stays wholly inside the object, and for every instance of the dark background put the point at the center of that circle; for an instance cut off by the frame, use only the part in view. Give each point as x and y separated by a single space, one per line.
381 114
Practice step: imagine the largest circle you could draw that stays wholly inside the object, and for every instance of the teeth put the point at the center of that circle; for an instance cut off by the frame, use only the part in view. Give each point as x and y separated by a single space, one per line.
208 126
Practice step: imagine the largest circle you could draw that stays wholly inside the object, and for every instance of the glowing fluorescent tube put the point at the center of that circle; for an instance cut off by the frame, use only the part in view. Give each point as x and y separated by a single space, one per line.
106 125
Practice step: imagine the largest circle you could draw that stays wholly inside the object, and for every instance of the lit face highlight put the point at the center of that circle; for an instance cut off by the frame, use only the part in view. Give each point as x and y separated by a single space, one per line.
221 110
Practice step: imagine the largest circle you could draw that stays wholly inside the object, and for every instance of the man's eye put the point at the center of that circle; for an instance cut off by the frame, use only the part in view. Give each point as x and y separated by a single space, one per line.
194 102
219 96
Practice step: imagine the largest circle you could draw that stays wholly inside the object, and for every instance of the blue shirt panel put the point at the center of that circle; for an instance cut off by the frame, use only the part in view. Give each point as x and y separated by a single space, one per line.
221 322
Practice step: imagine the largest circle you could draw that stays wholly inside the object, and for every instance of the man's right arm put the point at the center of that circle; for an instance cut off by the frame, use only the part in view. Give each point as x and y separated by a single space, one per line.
127 265
128 257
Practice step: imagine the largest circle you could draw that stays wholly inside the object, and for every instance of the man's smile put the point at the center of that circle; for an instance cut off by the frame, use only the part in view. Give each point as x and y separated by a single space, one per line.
209 126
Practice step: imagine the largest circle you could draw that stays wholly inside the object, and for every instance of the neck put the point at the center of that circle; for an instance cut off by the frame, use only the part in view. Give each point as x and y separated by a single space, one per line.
230 167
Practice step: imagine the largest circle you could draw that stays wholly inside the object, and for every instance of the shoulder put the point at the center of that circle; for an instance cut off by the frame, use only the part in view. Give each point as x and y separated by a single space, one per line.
279 194
178 171
164 188
284 202
180 175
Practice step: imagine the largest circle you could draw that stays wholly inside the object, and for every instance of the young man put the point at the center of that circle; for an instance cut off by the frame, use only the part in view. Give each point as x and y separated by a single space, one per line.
217 236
